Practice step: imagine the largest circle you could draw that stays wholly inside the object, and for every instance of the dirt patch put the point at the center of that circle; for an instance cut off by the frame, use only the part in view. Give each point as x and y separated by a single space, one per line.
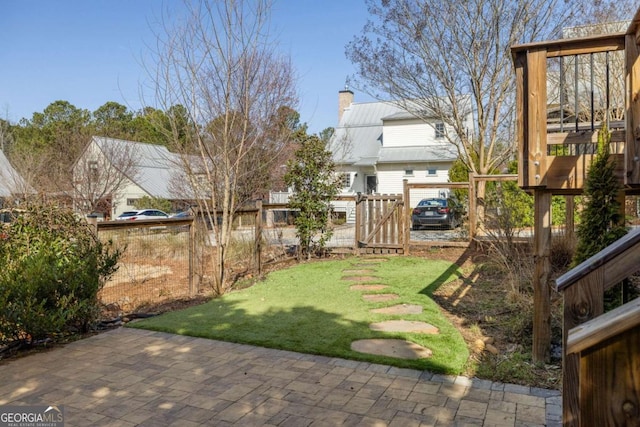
404 326
380 297
399 309
400 349
367 287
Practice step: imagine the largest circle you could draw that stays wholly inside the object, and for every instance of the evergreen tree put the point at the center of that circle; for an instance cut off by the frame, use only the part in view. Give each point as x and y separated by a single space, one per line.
311 174
602 218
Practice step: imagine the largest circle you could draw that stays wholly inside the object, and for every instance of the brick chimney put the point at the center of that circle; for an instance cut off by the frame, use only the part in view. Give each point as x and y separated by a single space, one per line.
345 98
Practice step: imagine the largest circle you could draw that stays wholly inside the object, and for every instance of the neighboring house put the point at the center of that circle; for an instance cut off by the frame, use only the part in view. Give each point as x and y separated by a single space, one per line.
112 174
377 145
12 185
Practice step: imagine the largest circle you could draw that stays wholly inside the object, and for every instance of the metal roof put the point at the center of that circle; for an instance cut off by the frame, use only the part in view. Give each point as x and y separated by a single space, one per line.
154 167
359 133
357 140
438 153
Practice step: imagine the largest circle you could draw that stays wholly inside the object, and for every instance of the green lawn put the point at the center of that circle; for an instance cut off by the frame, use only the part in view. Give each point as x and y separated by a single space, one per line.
309 308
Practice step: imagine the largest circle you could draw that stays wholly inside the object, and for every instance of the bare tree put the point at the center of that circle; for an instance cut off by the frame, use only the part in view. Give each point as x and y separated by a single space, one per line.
220 64
101 172
447 59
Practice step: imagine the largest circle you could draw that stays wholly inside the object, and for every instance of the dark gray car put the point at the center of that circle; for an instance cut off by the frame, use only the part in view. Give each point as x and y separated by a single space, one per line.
435 212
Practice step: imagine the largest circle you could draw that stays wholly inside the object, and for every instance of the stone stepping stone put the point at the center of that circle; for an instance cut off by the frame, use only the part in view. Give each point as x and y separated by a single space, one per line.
404 326
359 271
367 287
380 297
361 278
400 349
399 309
369 262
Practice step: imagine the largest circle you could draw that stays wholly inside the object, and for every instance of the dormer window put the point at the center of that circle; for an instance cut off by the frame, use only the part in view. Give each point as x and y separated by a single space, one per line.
345 179
93 169
439 130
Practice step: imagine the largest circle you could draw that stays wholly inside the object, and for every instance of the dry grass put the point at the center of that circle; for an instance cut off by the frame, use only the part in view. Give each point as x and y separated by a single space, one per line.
496 320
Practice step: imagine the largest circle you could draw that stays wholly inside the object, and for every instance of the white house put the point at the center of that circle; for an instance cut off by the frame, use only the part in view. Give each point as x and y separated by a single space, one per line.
12 185
120 172
377 145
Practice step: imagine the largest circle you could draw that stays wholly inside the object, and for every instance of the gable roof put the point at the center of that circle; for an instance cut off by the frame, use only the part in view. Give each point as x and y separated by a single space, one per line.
358 138
155 166
11 183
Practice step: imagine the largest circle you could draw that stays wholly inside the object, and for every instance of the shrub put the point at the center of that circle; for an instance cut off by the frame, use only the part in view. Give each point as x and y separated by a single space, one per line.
53 267
311 174
602 219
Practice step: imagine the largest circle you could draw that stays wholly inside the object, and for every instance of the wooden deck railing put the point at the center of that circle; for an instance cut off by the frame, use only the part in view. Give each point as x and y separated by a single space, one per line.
566 89
601 352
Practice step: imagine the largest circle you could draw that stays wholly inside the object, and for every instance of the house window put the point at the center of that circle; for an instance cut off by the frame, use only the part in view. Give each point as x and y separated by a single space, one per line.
345 180
408 172
132 202
439 130
432 172
93 169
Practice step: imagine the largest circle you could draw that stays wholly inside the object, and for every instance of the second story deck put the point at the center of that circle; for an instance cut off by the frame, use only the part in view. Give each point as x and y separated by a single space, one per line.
566 89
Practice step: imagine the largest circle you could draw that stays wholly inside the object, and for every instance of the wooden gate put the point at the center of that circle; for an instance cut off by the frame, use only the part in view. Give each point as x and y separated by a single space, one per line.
380 224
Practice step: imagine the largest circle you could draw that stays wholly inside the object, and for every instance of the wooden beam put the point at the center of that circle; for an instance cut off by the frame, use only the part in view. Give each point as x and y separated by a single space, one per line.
582 302
541 289
632 152
604 327
520 63
424 185
569 217
407 216
610 380
584 137
497 177
536 87
575 46
473 209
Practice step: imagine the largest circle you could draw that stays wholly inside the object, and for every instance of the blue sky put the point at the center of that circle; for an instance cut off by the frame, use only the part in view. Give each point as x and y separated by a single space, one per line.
89 52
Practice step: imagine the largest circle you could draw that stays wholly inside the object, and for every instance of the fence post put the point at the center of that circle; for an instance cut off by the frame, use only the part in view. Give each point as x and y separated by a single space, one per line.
358 232
92 220
258 237
473 230
192 254
406 217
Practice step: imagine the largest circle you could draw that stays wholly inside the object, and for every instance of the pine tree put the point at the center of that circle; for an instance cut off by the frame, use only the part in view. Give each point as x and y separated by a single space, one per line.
601 221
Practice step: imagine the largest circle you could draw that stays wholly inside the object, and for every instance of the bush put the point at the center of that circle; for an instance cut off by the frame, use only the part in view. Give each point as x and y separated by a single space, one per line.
53 267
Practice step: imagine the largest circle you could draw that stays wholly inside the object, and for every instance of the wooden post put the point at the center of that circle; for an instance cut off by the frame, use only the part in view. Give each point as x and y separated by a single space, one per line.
569 217
92 220
536 128
542 294
632 116
582 302
406 221
192 255
520 64
472 208
358 223
258 237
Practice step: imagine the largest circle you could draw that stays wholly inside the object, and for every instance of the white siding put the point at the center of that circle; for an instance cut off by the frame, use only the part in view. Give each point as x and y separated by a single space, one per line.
129 191
390 180
407 133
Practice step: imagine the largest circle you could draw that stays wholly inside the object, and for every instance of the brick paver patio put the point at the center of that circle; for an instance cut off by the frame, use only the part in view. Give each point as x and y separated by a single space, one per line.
129 377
